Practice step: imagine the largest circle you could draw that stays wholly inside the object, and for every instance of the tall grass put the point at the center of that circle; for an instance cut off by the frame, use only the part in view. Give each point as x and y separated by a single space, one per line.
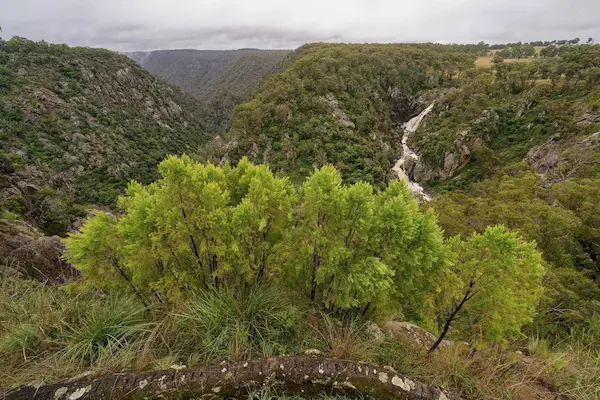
235 325
106 330
345 339
49 334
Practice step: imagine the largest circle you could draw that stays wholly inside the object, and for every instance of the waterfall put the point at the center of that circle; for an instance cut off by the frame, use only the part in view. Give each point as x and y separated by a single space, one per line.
410 127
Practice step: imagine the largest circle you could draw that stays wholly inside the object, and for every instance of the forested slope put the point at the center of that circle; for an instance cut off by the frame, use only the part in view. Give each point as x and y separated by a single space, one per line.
213 74
516 145
340 104
90 120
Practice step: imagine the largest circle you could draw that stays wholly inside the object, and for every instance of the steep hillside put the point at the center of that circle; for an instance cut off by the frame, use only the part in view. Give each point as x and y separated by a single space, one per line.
213 74
340 104
546 112
86 121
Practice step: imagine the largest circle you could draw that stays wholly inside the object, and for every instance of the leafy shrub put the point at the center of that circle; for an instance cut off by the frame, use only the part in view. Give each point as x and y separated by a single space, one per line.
202 226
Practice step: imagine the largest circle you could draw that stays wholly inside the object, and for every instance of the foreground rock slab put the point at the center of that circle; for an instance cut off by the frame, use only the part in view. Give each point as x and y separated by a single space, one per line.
299 375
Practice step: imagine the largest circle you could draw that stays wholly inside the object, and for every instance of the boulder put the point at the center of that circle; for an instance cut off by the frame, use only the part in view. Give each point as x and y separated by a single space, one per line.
450 164
411 332
26 252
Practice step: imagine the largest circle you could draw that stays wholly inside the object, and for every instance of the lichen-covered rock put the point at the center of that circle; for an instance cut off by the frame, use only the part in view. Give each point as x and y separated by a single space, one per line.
300 375
411 332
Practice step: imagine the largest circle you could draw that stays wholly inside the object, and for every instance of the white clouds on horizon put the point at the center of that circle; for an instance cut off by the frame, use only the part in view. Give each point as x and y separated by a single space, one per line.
212 24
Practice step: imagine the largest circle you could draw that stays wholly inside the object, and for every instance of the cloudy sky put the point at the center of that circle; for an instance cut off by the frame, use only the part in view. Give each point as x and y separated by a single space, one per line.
282 24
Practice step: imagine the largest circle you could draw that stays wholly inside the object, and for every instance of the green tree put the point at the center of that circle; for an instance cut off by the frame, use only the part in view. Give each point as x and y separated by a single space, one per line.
352 248
494 286
96 252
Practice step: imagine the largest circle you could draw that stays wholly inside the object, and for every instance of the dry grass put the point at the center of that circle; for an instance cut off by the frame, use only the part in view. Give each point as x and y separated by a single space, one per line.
40 325
486 61
502 373
346 339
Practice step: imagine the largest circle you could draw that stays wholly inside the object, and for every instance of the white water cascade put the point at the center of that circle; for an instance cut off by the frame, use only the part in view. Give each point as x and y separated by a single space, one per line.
410 127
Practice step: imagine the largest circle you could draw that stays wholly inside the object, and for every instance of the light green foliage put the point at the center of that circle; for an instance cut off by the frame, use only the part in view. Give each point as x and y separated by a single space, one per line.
503 273
198 226
329 249
352 247
97 253
562 220
202 226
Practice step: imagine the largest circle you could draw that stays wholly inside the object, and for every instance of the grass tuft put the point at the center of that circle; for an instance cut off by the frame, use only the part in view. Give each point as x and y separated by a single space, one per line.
105 331
235 325
345 339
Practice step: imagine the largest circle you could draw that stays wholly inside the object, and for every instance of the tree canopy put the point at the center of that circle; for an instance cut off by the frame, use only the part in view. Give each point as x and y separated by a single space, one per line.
345 247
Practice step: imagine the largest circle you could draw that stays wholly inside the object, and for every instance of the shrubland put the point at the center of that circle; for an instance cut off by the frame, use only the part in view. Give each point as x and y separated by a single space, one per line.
211 263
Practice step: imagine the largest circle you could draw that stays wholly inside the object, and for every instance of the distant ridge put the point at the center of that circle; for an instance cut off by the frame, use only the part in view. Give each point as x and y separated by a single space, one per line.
213 74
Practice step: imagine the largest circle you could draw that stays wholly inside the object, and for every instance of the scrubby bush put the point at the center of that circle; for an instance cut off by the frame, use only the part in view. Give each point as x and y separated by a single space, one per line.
202 226
346 248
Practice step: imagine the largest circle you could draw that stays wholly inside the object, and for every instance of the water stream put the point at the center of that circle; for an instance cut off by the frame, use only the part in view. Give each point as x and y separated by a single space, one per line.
410 127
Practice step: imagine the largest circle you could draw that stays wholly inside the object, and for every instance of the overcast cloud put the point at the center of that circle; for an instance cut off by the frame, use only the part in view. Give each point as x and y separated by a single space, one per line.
127 25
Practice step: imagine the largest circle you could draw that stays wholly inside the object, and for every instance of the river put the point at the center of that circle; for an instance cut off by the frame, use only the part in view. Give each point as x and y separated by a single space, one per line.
410 127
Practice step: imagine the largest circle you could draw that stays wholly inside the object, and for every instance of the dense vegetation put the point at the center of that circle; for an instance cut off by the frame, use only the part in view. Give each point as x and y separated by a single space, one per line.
210 73
89 119
339 104
202 227
545 110
222 78
242 260
472 149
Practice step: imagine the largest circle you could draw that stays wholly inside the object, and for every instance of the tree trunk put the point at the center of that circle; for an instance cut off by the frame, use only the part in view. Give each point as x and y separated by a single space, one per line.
118 268
468 296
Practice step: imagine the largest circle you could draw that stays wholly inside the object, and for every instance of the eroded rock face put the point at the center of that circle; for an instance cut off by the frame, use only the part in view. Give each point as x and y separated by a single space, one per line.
544 157
343 119
589 118
300 375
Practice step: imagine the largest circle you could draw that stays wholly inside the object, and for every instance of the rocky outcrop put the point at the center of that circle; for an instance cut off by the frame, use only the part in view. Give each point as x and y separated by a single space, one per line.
334 105
544 157
589 118
412 333
24 251
300 375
